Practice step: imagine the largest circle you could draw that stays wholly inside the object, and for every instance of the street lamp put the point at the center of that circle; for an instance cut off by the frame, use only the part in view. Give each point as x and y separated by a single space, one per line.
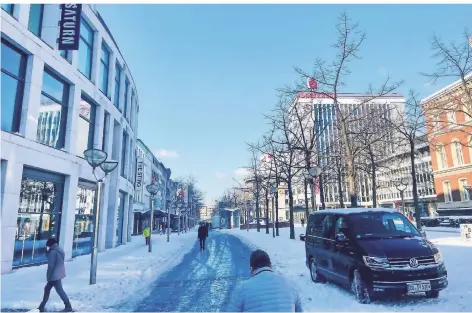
401 185
152 189
274 195
310 175
167 204
97 158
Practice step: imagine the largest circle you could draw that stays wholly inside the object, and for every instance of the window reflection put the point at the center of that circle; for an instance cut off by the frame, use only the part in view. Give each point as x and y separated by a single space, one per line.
52 112
38 219
13 64
84 218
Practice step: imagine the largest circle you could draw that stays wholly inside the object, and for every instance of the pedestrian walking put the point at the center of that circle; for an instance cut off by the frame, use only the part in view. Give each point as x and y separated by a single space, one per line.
303 222
147 234
202 235
207 229
55 273
265 291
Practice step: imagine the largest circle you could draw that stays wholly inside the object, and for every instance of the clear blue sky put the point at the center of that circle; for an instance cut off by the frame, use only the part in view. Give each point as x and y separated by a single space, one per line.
206 73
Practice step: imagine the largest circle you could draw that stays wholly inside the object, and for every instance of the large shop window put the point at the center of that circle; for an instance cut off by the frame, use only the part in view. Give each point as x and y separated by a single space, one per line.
8 8
12 86
104 68
53 111
39 215
84 219
86 126
35 21
116 97
85 49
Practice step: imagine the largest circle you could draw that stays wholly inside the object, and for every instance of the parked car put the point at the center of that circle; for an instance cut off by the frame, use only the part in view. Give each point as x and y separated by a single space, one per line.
373 252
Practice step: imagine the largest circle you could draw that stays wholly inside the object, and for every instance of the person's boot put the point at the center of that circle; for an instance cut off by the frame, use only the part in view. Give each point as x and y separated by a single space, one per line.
41 307
68 307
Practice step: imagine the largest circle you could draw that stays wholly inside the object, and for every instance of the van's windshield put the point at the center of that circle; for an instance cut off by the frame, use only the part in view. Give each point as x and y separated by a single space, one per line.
381 225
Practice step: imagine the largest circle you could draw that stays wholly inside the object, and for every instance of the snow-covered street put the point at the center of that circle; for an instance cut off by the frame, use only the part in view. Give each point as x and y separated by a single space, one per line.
177 277
288 257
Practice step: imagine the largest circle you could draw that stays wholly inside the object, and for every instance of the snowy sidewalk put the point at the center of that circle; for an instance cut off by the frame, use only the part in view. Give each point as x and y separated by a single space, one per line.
288 258
122 272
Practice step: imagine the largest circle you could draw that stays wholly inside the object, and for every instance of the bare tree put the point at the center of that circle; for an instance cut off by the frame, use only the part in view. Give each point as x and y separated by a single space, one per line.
254 179
331 81
410 124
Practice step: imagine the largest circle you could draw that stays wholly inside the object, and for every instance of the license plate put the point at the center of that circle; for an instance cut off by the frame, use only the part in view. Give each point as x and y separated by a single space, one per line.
419 287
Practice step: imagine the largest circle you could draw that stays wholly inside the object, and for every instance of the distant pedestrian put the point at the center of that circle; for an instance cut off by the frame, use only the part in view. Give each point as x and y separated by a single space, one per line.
147 234
202 235
55 273
207 229
303 222
266 291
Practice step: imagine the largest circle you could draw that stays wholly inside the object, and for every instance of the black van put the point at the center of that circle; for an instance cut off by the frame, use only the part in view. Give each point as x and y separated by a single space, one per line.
373 252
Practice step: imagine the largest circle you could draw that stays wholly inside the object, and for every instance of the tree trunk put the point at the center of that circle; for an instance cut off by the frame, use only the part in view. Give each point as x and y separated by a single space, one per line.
258 213
340 184
290 205
321 187
374 181
267 210
351 171
277 207
307 210
415 186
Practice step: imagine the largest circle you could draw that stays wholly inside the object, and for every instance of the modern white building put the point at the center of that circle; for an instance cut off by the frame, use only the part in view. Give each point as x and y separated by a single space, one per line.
55 105
325 116
398 166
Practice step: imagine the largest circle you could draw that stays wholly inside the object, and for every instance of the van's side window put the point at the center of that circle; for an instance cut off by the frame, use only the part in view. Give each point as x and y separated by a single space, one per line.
340 225
310 225
328 227
318 225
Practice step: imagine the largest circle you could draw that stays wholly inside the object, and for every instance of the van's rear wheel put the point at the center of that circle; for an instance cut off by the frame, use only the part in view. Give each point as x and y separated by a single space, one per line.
359 288
315 275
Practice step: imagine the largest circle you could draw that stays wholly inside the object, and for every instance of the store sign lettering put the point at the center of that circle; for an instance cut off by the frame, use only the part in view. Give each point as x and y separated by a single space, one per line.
139 174
69 27
314 95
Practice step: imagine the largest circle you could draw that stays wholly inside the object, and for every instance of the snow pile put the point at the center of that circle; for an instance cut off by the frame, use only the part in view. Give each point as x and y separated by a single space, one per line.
288 258
123 273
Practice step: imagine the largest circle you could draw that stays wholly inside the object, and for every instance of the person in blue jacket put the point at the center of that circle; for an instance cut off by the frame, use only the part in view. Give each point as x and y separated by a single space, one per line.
265 291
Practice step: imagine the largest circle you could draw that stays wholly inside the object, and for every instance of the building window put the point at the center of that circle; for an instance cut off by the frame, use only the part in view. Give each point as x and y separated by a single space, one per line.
457 152
106 121
116 97
39 216
12 86
465 193
123 154
447 191
441 155
133 100
85 49
8 8
83 230
53 111
451 116
126 99
86 126
104 68
36 18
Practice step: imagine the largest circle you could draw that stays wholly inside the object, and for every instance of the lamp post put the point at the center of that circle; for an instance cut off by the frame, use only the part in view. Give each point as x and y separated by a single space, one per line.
167 202
97 158
152 189
274 194
179 211
310 175
401 185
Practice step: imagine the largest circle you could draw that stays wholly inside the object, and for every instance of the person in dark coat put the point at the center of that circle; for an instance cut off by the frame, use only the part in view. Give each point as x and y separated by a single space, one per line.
202 235
55 273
